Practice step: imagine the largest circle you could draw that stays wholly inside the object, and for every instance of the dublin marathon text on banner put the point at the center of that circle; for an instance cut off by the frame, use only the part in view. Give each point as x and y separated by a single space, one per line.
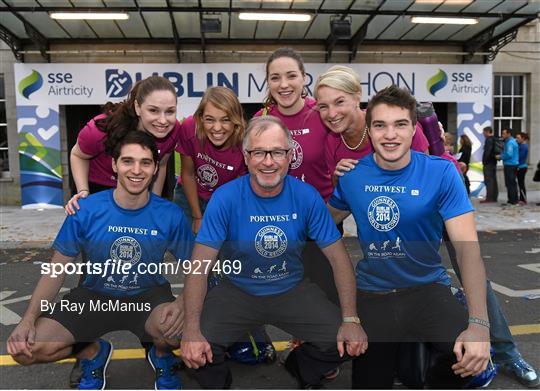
43 88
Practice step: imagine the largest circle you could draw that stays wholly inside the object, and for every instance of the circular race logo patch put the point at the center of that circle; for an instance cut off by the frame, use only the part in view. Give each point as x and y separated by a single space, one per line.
271 241
383 213
207 175
298 155
126 249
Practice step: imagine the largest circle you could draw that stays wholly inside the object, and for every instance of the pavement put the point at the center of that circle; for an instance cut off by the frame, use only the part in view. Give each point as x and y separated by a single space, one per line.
509 238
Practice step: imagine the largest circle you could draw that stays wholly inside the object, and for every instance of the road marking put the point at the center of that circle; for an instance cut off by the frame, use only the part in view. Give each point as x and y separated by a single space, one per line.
8 317
134 354
514 293
533 293
533 267
524 329
533 251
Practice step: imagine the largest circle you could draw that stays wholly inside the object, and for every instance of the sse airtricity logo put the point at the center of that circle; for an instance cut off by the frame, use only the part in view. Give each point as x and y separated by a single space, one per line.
117 82
437 82
30 84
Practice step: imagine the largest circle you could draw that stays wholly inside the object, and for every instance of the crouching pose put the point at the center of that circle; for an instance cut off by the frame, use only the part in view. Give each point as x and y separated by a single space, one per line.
263 220
125 233
401 200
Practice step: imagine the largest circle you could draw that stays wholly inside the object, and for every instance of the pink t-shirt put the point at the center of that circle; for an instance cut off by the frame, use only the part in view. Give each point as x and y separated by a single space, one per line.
340 151
449 157
90 140
311 146
213 167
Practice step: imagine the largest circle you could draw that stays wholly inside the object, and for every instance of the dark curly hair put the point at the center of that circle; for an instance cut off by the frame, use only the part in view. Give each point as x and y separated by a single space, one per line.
121 117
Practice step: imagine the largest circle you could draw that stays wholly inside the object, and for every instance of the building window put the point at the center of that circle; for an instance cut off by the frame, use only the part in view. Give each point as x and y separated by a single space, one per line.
509 103
4 153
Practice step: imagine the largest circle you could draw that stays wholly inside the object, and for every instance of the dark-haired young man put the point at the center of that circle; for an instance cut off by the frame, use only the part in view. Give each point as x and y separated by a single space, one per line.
125 233
401 200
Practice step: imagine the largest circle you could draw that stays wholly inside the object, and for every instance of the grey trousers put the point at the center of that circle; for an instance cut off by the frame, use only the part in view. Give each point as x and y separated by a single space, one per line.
303 311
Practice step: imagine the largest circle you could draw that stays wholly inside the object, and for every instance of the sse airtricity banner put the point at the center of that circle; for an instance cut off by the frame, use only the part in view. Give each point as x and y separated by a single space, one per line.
43 88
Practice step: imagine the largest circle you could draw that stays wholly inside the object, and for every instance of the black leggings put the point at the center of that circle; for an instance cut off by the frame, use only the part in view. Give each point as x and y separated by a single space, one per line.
521 172
426 313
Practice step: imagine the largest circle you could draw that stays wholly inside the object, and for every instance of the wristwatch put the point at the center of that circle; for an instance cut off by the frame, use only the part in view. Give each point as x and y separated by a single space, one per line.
351 319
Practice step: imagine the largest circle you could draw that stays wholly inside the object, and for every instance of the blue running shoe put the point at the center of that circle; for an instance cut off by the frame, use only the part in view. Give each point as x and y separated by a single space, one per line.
165 367
522 371
484 379
94 370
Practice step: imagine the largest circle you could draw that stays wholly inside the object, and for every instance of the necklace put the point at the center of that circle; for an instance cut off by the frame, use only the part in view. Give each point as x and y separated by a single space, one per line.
357 145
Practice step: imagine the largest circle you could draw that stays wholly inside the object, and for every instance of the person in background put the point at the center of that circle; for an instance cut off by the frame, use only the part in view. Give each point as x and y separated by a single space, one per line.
449 141
510 159
522 139
465 151
505 351
489 163
210 151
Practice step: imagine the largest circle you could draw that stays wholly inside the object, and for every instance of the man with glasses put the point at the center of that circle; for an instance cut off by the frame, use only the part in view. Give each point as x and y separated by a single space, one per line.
262 220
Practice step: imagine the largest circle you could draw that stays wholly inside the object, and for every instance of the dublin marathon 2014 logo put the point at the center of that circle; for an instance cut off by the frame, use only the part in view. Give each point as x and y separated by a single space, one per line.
437 82
30 84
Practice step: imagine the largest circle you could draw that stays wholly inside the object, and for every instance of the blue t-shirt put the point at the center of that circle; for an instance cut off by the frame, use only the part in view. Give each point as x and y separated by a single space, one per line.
523 153
399 216
510 155
266 235
105 231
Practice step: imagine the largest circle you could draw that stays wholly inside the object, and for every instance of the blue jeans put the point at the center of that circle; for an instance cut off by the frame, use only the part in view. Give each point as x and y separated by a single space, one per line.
180 199
502 341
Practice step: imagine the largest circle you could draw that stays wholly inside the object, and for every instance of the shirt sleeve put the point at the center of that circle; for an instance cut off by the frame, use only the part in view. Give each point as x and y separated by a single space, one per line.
90 139
187 130
214 226
321 227
337 201
420 142
453 200
69 240
181 244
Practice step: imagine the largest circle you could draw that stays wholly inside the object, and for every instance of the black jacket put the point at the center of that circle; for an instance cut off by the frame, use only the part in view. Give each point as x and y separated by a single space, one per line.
487 156
465 154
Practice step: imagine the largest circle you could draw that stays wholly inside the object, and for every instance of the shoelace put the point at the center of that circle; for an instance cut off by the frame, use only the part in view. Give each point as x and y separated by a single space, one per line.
522 364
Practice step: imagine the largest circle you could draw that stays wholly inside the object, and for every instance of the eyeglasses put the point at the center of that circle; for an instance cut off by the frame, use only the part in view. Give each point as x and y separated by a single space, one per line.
275 154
